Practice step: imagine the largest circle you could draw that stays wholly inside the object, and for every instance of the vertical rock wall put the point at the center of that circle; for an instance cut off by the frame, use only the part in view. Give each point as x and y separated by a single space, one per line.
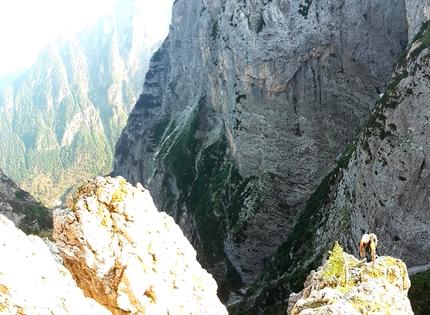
244 110
385 184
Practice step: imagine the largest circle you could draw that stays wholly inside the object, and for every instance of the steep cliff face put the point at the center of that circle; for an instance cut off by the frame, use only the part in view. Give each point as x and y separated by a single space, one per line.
385 183
244 109
379 183
59 122
417 12
21 208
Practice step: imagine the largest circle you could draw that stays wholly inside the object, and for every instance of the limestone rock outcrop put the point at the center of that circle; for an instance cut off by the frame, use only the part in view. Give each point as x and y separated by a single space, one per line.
32 282
355 288
130 257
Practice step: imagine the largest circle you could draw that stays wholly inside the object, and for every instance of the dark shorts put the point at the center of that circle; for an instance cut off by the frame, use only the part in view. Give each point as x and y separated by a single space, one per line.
368 256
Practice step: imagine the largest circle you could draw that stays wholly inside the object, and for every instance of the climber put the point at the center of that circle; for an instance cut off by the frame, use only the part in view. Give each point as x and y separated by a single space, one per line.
368 247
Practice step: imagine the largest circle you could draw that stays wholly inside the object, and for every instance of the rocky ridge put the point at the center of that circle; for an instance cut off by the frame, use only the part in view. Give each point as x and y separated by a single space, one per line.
21 208
122 257
345 285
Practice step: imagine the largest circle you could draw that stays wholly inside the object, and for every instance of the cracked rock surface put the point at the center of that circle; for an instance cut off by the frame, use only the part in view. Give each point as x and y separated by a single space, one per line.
130 257
32 282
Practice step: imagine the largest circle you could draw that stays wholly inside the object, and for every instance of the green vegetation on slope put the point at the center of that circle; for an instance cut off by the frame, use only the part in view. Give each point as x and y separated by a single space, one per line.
75 92
34 212
419 293
295 258
45 151
420 42
211 190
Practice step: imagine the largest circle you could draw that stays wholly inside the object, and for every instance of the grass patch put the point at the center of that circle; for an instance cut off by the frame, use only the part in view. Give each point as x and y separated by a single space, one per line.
260 23
419 293
44 233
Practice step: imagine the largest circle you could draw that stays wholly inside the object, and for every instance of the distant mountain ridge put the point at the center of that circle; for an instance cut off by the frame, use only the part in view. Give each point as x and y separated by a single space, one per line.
7 79
59 122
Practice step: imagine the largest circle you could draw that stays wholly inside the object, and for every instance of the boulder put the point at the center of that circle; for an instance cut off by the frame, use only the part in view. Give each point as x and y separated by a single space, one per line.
346 285
130 257
32 282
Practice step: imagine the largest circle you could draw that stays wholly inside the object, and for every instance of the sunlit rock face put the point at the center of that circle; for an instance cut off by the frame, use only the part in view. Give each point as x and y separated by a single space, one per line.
60 121
359 288
32 282
130 257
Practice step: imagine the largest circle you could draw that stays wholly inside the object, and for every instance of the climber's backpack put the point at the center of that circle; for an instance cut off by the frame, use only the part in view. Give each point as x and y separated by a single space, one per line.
373 239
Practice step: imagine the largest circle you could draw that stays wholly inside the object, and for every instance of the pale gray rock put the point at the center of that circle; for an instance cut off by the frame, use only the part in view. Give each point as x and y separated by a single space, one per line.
130 257
417 13
32 282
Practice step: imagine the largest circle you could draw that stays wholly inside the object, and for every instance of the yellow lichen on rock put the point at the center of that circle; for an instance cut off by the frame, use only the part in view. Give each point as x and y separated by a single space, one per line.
346 285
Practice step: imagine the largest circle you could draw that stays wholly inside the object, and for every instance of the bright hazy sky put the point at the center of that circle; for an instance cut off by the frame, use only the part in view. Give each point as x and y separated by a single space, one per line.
28 25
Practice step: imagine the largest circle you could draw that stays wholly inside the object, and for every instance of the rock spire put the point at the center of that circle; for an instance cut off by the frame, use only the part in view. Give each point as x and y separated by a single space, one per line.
128 256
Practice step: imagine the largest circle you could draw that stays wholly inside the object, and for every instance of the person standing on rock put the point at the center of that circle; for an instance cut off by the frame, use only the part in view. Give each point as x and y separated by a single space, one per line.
368 247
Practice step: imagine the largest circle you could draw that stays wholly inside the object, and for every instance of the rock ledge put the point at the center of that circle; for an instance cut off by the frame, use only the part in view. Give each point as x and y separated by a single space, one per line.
345 285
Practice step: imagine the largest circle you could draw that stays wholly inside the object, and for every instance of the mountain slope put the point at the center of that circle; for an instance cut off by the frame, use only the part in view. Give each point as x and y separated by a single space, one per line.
22 209
387 173
378 184
244 109
60 121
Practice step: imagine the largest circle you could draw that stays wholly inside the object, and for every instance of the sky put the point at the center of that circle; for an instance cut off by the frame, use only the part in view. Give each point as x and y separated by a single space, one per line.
26 26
